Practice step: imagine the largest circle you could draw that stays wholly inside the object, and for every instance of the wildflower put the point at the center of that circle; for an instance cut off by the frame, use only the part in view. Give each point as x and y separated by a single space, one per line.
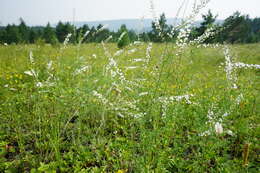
206 133
94 56
239 99
225 114
67 39
86 34
229 132
81 70
102 28
218 128
109 38
137 42
31 57
31 73
119 52
49 65
143 94
131 67
121 36
229 68
243 65
138 60
132 51
148 53
39 84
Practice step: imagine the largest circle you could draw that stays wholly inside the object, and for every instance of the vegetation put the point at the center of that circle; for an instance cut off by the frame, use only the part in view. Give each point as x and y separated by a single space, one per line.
141 109
236 28
183 104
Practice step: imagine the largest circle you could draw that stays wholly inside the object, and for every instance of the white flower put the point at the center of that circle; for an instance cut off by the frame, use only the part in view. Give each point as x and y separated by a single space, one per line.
108 38
67 39
143 93
218 128
102 28
81 70
131 67
39 84
121 36
49 65
239 99
132 51
137 42
94 56
138 60
119 52
229 132
31 57
225 114
243 65
206 133
31 73
86 34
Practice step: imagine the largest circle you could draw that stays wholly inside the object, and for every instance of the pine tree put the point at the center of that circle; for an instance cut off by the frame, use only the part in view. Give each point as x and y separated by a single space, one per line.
24 31
49 35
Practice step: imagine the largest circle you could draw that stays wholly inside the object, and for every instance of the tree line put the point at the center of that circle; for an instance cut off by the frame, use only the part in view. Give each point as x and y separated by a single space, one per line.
236 28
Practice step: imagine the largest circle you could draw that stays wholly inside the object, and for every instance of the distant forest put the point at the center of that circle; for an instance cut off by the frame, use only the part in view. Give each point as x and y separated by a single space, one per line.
236 28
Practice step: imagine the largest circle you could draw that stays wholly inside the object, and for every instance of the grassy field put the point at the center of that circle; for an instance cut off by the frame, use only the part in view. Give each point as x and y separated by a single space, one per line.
147 108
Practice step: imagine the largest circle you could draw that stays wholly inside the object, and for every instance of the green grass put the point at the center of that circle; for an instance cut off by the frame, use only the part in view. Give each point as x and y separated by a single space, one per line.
65 125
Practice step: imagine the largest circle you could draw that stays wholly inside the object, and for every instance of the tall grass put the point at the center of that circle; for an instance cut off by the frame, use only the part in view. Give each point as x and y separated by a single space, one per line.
184 107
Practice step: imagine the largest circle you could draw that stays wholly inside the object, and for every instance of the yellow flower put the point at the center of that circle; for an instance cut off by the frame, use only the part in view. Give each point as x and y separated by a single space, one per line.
122 171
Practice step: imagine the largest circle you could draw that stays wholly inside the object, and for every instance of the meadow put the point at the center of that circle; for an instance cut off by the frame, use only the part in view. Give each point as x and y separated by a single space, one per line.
145 108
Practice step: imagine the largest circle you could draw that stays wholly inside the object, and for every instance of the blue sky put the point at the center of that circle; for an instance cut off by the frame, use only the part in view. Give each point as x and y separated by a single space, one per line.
39 12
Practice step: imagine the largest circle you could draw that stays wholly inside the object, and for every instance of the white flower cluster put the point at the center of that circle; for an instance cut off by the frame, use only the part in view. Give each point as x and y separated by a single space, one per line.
121 36
102 28
138 60
108 38
81 70
35 75
113 69
216 124
229 68
132 51
246 66
121 105
67 39
168 100
155 18
119 52
210 32
84 36
148 54
183 37
31 73
103 100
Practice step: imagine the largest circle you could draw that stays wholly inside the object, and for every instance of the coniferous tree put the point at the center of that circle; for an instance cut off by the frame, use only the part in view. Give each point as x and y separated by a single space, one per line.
160 30
12 34
49 35
24 31
62 30
236 29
